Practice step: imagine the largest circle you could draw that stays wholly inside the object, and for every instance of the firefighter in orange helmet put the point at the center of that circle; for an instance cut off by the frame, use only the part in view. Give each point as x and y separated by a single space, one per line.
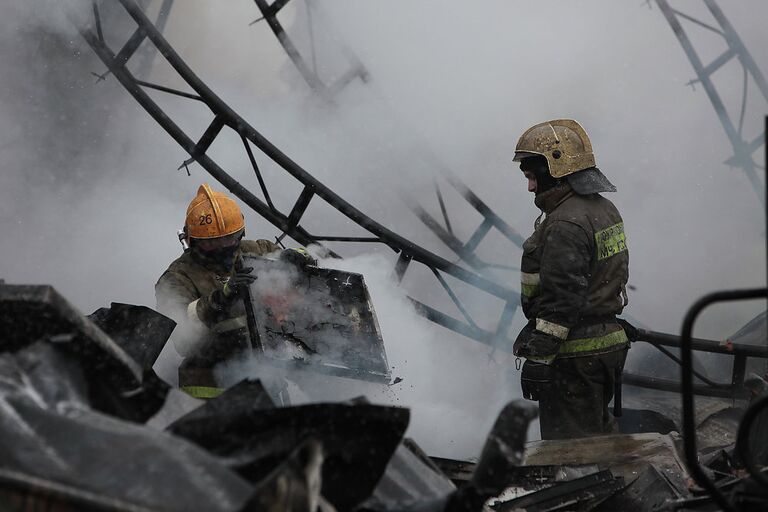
200 289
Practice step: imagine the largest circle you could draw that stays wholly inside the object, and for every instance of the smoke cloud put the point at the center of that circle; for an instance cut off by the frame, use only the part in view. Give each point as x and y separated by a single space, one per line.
90 197
451 387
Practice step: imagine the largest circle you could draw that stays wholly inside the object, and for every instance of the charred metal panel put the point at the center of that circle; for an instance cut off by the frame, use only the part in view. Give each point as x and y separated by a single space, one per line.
357 442
31 313
139 330
57 451
408 479
316 319
117 384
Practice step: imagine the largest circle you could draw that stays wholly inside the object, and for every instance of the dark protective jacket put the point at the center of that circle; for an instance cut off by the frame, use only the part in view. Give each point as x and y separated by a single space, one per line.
204 336
574 273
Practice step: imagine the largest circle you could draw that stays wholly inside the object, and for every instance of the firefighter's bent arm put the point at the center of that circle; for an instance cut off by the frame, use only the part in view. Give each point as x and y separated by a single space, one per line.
178 299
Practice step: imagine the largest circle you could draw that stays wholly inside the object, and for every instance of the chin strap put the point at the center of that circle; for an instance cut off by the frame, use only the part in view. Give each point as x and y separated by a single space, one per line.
182 234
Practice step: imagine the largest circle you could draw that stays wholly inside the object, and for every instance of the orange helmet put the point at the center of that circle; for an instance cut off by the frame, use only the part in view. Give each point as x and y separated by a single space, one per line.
212 215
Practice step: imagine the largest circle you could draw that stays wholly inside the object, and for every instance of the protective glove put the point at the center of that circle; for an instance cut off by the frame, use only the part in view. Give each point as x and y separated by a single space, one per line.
222 298
298 257
533 379
537 346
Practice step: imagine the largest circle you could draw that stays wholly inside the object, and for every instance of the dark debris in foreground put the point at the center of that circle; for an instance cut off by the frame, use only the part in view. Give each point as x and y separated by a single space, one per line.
77 393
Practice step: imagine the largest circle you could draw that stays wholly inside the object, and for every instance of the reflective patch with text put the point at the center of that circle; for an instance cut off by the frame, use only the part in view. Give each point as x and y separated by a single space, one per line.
610 241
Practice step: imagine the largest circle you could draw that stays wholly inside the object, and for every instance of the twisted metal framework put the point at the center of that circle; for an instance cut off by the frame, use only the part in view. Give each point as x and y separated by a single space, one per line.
144 56
310 74
743 148
466 251
443 229
288 223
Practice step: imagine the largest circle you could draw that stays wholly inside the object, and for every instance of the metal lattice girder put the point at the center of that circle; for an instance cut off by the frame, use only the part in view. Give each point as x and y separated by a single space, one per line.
466 251
743 147
144 58
290 223
310 74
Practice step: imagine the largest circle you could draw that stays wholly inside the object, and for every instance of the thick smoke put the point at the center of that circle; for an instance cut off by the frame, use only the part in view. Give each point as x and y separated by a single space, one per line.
90 197
452 388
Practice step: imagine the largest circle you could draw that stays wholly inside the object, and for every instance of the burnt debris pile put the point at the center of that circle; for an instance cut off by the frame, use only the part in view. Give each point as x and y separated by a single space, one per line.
87 425
79 409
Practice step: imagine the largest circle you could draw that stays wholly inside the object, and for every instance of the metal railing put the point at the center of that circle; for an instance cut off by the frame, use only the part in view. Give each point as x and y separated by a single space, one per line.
733 389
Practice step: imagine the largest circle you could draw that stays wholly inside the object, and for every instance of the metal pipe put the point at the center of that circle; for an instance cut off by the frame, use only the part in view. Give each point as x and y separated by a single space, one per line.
674 386
703 345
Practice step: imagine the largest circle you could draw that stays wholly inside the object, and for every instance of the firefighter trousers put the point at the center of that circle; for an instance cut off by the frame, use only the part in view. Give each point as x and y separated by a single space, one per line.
575 402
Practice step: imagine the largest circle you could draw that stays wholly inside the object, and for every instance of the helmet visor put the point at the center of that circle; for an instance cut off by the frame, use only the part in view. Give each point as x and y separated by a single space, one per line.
520 155
214 244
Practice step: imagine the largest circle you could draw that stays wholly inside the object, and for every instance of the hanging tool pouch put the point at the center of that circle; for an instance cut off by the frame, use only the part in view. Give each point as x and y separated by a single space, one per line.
534 378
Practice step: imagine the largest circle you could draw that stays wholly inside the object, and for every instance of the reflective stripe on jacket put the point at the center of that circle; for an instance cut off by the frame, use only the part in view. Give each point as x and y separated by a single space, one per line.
202 392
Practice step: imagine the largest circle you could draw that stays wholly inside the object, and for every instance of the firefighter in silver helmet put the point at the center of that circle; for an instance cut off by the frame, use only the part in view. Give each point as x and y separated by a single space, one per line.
574 273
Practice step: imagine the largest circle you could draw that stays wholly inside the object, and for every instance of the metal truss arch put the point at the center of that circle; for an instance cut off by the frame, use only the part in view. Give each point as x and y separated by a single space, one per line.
442 228
288 223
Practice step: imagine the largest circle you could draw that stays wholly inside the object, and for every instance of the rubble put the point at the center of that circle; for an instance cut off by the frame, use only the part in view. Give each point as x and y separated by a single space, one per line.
87 425
626 455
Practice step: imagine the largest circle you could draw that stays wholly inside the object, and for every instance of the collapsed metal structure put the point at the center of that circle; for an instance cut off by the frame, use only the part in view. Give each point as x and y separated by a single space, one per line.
442 229
71 385
288 223
310 73
466 250
743 147
408 251
243 447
